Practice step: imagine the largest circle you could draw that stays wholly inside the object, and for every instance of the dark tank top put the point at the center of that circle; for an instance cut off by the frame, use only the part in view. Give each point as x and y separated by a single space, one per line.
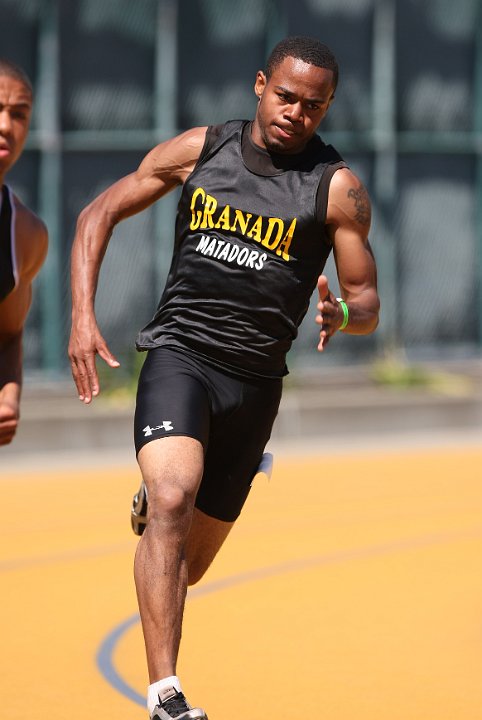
8 269
250 244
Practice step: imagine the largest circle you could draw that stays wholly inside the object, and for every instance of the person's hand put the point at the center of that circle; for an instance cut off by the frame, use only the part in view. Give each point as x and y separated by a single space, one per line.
330 315
85 343
9 416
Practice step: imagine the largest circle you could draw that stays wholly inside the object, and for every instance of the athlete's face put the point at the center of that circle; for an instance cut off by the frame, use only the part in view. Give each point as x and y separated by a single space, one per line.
15 112
292 103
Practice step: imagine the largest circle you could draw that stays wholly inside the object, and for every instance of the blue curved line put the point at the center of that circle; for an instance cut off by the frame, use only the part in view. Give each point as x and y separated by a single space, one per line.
105 662
104 658
105 654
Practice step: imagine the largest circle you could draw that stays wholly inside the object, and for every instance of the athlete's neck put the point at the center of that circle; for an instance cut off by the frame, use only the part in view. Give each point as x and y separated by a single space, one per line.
263 162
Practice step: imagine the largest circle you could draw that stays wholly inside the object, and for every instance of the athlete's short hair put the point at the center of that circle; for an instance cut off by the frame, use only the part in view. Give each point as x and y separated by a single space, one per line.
12 70
308 49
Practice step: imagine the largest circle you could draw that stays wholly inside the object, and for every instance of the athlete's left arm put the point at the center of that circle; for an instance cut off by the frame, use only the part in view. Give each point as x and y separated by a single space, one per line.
348 224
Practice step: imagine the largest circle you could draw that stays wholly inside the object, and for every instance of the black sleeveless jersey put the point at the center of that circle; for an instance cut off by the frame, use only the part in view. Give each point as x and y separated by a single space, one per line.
250 244
8 264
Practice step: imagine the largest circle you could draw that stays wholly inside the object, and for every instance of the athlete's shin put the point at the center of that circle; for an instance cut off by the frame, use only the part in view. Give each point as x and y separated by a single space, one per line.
160 572
171 469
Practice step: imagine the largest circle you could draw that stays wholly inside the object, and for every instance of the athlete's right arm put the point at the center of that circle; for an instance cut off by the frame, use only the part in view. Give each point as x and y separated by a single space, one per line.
165 167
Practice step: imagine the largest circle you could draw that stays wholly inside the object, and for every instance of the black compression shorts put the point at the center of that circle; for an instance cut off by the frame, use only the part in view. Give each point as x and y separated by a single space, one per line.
232 417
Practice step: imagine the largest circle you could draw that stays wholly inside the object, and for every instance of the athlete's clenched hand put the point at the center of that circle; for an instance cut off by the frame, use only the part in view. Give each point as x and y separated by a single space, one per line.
85 343
330 315
8 422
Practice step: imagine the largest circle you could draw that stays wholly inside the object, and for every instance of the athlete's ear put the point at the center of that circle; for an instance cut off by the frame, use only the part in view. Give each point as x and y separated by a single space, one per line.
328 104
260 83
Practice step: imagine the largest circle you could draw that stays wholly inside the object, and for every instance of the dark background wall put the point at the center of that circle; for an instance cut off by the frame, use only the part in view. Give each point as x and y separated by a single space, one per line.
113 78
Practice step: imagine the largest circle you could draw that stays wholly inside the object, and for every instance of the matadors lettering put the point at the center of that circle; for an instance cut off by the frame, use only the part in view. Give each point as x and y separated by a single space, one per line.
230 252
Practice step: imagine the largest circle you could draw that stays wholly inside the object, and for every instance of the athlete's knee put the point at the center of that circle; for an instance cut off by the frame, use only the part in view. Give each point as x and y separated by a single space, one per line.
170 503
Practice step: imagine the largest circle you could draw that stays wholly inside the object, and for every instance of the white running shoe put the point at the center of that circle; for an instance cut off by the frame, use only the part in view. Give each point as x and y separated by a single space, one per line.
174 706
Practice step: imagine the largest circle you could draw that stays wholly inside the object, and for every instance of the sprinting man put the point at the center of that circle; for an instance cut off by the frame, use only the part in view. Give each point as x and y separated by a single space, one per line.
263 204
23 245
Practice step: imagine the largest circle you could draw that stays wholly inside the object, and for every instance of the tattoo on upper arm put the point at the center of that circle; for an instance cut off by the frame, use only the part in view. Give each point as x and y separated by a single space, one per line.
362 204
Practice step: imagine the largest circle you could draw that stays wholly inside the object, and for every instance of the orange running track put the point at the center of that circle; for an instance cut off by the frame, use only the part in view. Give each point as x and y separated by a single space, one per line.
351 589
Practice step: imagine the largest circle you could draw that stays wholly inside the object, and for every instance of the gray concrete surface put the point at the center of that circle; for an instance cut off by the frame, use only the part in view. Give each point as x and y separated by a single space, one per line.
330 410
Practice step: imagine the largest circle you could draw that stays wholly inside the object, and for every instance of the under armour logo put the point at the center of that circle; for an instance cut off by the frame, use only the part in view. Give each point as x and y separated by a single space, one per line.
165 425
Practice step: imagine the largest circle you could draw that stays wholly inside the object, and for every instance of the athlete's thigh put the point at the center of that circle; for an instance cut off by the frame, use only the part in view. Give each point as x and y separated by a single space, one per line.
236 446
171 400
171 468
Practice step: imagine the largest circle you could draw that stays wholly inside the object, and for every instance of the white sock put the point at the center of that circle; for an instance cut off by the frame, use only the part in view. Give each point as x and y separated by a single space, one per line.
157 687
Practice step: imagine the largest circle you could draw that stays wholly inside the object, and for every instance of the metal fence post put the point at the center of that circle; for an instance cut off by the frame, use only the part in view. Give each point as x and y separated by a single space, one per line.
165 126
385 163
50 185
478 151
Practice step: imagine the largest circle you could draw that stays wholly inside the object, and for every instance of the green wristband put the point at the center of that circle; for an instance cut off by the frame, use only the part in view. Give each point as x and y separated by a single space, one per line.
344 307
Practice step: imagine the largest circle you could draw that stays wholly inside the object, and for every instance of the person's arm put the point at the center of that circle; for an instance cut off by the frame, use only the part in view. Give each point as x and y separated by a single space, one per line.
10 385
348 221
31 247
165 167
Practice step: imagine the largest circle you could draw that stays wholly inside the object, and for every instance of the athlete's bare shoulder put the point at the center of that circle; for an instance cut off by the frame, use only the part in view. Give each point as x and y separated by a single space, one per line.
176 158
194 139
31 241
348 201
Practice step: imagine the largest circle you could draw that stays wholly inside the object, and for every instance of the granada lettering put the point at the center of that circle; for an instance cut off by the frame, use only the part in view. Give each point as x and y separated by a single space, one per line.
269 232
